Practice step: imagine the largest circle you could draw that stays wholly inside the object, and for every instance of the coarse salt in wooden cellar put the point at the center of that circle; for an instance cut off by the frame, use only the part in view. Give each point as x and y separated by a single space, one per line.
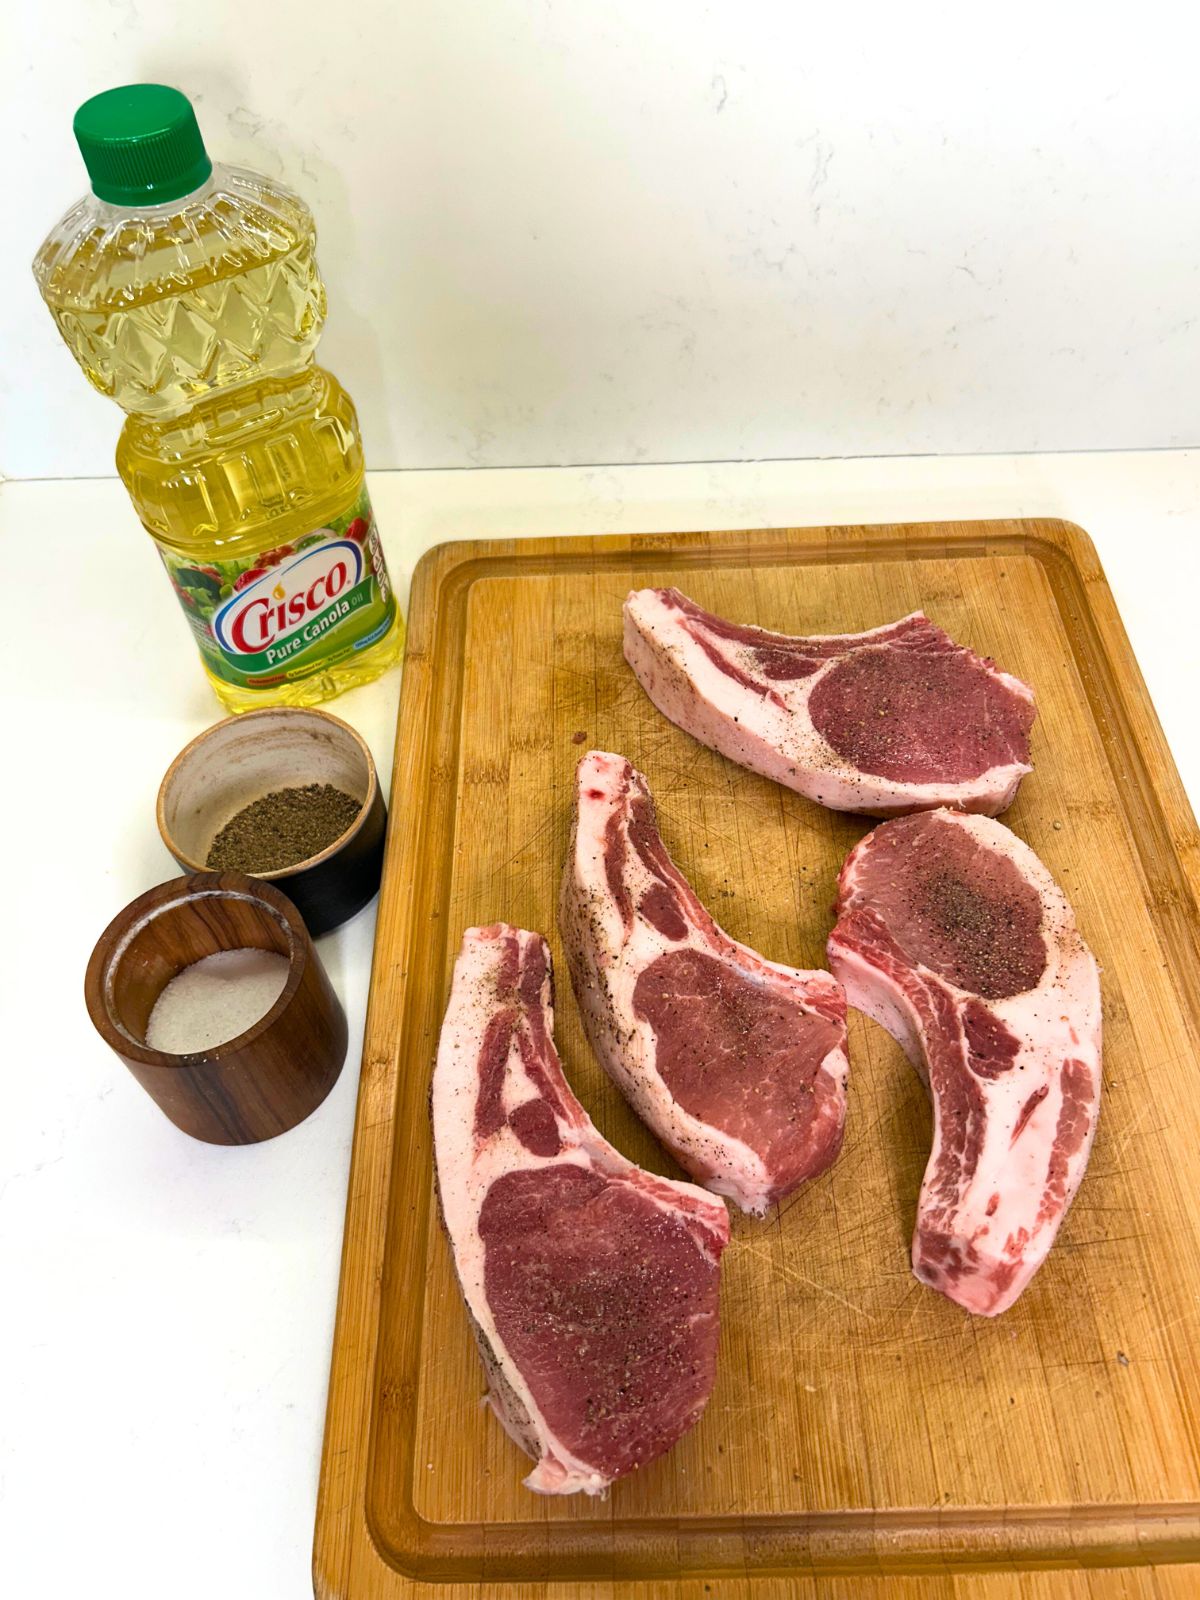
267 1076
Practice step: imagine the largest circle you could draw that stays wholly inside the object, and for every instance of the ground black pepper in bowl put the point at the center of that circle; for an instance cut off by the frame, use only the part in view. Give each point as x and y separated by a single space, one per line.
283 828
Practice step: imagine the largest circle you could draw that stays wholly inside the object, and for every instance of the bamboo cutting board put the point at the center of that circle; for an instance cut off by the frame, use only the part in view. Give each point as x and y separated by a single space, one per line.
866 1438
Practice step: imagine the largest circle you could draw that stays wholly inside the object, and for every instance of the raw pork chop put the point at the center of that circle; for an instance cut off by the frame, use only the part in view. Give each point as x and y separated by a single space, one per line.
953 936
736 1063
591 1285
897 719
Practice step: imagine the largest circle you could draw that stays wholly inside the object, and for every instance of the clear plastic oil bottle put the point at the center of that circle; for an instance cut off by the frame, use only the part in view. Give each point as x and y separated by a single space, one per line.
189 293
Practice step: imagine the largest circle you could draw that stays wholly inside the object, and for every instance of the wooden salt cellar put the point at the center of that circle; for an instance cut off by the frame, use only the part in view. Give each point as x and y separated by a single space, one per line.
267 1079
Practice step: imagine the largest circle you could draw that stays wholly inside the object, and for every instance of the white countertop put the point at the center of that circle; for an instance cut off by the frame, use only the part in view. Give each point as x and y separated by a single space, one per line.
169 1305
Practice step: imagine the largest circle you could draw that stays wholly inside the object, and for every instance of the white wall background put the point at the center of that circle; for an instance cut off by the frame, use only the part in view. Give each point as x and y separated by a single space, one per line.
564 231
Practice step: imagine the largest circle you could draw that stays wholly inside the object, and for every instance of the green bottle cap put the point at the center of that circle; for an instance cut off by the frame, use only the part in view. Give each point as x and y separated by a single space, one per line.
141 144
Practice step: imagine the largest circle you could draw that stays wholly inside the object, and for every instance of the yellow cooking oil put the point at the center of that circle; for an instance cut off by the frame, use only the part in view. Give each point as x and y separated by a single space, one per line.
189 293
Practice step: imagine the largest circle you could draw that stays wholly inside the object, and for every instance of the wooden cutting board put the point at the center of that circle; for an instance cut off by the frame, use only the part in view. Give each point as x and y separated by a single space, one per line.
866 1438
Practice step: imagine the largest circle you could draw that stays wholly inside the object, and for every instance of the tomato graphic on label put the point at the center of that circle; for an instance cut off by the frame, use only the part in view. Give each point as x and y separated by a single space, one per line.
244 578
358 530
272 558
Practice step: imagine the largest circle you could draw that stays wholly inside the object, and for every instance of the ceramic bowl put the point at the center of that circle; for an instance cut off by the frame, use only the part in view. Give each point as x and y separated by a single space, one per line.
281 747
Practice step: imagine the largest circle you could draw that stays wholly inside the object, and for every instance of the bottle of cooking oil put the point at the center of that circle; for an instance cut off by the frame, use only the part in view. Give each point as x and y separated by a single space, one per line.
190 294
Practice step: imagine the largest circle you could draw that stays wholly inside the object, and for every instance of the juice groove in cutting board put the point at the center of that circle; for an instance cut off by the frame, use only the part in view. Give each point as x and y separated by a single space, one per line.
866 1438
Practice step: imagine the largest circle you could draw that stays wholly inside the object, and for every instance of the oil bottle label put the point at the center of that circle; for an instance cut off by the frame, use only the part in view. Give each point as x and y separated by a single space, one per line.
287 613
